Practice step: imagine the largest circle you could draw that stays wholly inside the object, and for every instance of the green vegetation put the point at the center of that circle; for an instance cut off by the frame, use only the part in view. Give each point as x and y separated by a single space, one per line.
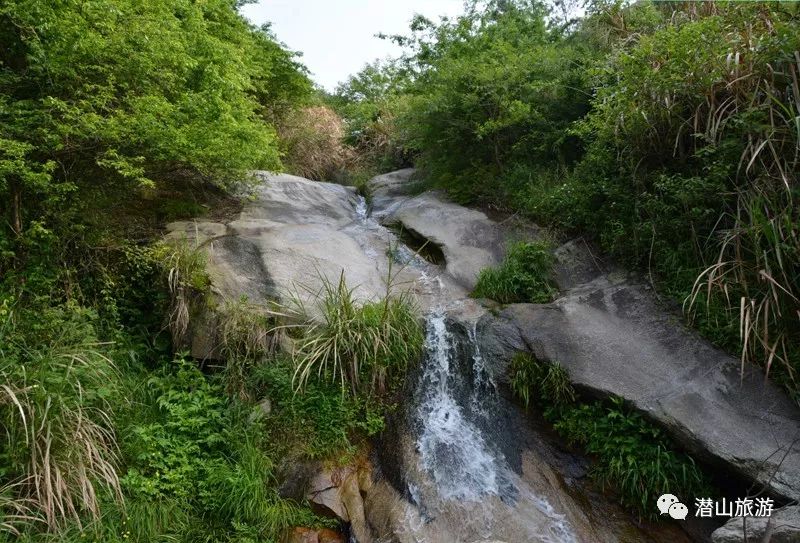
368 346
667 132
632 457
523 276
115 117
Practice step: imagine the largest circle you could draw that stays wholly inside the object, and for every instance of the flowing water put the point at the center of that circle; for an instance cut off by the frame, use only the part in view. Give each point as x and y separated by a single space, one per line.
459 486
462 474
458 468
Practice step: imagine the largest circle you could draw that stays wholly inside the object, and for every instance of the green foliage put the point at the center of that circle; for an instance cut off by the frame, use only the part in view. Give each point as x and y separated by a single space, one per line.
632 456
318 422
666 132
117 100
493 89
524 276
199 461
550 382
371 102
57 390
716 211
248 336
366 346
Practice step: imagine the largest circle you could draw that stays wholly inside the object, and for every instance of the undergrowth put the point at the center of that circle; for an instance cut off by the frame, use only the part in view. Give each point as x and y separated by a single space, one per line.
633 457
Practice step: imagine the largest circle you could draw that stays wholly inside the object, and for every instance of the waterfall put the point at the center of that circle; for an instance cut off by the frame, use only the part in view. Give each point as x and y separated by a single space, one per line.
451 447
458 483
362 210
454 401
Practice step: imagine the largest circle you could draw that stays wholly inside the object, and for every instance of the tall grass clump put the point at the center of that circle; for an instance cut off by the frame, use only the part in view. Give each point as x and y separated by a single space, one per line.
523 276
366 346
248 335
57 390
633 457
184 268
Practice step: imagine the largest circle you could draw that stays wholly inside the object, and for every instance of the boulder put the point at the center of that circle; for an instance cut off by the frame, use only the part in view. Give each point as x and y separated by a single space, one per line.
468 239
292 236
324 494
330 536
782 527
310 535
614 338
337 493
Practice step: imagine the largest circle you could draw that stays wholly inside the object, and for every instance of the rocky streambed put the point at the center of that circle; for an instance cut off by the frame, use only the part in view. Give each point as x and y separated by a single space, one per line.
461 463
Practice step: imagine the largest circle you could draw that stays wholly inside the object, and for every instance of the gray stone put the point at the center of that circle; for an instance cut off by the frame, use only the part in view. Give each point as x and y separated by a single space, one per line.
260 410
782 527
575 264
615 339
469 240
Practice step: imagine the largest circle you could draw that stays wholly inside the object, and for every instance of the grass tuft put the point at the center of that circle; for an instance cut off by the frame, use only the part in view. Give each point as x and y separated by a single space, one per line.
632 456
56 395
188 283
524 276
366 346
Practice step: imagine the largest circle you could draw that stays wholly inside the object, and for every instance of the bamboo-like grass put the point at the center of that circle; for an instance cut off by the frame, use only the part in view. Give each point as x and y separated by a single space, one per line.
366 346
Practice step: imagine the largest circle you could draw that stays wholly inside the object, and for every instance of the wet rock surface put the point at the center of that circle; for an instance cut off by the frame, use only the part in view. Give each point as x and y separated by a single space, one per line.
462 463
615 339
782 527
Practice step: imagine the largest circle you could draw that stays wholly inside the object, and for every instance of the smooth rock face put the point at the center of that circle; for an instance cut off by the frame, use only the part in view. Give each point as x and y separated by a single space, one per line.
606 330
295 233
614 339
469 240
782 527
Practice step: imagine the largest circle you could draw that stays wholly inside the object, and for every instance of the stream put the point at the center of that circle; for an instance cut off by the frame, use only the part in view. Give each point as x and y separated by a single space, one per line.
459 473
459 461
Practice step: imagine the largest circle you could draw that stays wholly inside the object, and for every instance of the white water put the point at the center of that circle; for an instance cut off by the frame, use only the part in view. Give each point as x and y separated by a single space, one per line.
362 210
464 467
451 448
460 485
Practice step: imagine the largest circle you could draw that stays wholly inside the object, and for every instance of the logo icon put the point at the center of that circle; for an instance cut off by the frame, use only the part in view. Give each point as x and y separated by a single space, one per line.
669 504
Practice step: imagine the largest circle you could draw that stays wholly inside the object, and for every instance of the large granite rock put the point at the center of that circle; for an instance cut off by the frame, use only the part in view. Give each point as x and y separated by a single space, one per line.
782 527
295 233
469 240
615 339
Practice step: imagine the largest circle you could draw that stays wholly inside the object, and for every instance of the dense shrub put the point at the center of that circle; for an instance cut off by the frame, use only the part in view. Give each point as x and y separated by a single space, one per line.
120 100
667 132
319 422
314 139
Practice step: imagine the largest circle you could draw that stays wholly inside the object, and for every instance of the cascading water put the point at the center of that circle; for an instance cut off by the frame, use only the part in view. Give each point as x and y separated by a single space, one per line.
462 474
452 450
362 209
459 465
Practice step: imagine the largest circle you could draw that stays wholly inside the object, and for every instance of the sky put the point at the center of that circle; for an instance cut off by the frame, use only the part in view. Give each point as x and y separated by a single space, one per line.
337 37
